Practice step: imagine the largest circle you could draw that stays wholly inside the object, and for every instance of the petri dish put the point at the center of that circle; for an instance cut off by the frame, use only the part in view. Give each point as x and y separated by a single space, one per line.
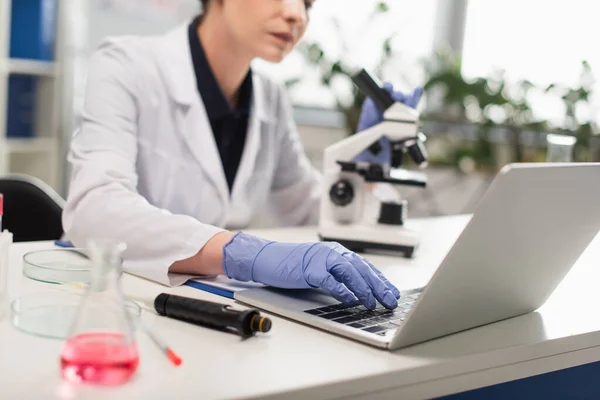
50 314
58 266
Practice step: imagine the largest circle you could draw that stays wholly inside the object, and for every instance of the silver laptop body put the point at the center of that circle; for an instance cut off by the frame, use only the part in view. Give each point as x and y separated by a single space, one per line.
527 231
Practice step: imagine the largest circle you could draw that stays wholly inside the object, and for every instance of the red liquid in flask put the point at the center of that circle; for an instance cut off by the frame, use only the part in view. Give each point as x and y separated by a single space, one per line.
99 358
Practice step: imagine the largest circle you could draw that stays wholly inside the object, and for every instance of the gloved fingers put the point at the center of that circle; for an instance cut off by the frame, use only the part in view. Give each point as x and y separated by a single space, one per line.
401 98
388 87
337 290
381 291
415 97
343 271
396 95
411 100
380 275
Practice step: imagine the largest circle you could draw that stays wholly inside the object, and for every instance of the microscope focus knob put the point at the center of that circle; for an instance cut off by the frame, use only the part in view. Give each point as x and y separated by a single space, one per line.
341 193
393 213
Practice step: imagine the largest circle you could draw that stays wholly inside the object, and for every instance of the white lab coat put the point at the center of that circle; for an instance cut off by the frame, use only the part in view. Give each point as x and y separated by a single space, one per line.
145 167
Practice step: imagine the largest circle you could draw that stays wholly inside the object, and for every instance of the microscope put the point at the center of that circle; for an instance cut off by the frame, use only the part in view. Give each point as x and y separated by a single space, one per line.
347 184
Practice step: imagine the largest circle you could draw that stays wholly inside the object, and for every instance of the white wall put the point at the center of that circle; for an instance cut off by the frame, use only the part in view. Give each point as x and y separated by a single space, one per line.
140 17
86 23
121 17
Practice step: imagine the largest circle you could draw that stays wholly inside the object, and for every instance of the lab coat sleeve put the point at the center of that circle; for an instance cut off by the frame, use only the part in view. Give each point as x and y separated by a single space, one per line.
103 201
296 188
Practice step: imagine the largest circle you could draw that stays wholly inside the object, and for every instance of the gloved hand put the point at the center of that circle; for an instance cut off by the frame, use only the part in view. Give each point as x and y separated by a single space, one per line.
328 266
370 116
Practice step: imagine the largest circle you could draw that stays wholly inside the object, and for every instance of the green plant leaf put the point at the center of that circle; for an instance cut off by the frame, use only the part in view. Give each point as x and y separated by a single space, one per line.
336 68
315 53
383 7
586 66
292 82
387 46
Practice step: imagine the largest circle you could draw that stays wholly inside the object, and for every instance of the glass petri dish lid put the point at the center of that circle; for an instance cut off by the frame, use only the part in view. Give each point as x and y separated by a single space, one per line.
50 314
58 266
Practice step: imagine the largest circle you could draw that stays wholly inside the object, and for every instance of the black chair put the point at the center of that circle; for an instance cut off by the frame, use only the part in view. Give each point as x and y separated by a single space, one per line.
32 209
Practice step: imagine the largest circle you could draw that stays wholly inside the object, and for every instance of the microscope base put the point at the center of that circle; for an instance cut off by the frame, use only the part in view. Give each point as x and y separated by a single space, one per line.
362 247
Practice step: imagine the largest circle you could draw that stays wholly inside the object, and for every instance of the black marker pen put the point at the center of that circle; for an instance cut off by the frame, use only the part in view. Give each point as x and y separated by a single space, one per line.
213 315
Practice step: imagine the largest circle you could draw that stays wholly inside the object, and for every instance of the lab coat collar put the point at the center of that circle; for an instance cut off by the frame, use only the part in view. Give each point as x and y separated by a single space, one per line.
176 58
177 66
252 145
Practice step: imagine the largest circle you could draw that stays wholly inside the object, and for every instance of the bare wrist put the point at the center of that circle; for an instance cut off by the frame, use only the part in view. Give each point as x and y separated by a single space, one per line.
208 261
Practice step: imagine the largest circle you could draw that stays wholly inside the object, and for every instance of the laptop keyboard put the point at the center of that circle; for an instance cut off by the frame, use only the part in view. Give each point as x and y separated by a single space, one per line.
377 321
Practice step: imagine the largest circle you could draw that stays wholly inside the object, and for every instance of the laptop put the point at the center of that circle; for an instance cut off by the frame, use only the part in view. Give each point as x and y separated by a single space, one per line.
528 230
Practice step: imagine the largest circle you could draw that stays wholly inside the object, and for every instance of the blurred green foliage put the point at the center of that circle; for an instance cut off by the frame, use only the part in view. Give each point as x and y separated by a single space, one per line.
488 102
492 102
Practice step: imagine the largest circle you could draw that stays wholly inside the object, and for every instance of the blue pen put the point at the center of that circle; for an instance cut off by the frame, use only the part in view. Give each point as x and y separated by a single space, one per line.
67 244
64 243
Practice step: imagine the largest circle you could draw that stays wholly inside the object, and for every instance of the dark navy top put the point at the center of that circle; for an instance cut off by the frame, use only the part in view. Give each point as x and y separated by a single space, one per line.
229 125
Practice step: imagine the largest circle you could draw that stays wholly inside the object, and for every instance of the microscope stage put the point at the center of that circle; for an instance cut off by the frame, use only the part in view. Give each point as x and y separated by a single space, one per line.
362 238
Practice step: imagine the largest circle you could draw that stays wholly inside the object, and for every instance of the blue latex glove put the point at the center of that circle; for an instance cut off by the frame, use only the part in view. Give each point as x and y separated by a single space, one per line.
371 116
324 265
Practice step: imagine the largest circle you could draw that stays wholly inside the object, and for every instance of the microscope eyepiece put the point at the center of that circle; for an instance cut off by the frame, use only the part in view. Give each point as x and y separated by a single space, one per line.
365 82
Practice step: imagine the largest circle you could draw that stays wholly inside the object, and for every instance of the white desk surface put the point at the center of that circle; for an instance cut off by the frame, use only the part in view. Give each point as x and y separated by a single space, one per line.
296 361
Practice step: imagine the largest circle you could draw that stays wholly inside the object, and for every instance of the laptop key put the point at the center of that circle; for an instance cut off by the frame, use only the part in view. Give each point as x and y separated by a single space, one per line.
356 325
369 314
341 306
381 320
389 326
336 314
368 322
325 309
314 312
350 318
374 329
355 309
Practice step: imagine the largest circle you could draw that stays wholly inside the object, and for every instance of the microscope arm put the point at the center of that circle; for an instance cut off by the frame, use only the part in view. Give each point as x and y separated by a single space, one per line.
345 150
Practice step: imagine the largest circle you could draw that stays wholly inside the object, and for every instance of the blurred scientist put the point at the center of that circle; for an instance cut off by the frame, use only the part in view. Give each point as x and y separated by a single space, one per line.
181 140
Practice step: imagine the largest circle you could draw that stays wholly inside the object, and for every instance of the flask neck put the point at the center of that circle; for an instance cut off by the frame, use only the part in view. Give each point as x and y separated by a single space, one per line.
106 266
104 277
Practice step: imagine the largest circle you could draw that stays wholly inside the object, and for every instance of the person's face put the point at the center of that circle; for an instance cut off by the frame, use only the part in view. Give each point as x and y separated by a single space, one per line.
268 28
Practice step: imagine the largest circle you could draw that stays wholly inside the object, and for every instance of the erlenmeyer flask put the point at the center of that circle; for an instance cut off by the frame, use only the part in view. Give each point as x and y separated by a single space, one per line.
100 348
